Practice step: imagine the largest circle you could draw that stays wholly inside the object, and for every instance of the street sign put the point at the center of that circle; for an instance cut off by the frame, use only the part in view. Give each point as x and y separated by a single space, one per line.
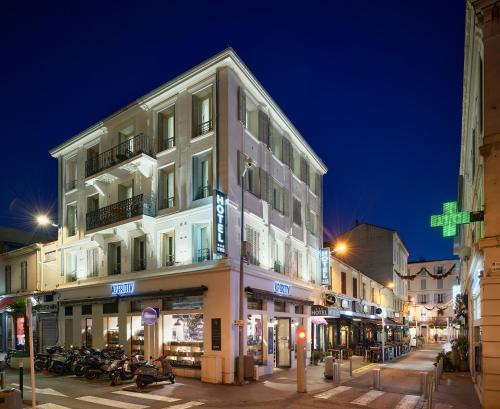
149 316
239 323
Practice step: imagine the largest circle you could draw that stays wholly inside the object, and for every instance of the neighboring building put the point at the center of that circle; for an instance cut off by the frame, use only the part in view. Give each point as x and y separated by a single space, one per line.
12 239
431 299
348 316
21 273
380 254
138 226
477 243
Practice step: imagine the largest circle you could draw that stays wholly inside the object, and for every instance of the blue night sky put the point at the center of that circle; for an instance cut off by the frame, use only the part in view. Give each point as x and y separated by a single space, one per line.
374 86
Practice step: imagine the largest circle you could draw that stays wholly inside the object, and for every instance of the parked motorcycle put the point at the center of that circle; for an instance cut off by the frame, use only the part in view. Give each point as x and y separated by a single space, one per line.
124 369
98 364
148 374
62 362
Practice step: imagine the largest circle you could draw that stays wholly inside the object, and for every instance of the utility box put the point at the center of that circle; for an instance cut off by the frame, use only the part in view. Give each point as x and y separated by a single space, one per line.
10 399
248 371
211 369
329 367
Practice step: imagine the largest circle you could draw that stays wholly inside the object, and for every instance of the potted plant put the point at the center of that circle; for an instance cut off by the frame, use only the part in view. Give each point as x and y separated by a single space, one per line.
316 356
460 349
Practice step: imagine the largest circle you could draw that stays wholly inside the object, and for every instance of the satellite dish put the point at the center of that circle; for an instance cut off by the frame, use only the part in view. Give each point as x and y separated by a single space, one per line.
378 311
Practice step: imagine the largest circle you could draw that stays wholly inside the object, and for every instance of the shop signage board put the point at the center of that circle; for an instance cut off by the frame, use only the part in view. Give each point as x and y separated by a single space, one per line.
122 288
270 340
319 311
216 334
344 304
149 316
220 212
334 313
325 266
281 288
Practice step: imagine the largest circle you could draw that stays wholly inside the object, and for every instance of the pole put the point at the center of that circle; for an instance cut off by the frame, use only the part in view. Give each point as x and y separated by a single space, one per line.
383 338
242 289
301 339
29 315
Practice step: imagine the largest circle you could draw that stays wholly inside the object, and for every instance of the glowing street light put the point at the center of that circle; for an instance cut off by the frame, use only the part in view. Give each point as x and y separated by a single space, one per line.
340 248
43 220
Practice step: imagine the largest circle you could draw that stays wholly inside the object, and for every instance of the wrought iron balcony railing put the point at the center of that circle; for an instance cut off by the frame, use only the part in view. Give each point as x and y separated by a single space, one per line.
204 127
135 206
202 192
166 203
119 153
166 143
202 255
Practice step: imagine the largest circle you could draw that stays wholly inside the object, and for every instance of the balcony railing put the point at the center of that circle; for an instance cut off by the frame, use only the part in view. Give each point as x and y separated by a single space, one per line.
202 192
135 206
169 260
119 153
166 143
140 265
166 203
204 128
202 255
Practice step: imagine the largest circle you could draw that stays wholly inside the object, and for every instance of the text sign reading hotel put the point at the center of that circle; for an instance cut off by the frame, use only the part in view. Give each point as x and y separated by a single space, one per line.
220 222
325 266
122 288
280 288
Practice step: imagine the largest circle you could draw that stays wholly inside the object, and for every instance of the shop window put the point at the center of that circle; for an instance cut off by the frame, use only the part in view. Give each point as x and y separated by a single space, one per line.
299 309
183 339
139 253
68 311
136 335
280 306
87 309
190 302
110 308
87 332
254 303
111 330
201 242
254 338
136 306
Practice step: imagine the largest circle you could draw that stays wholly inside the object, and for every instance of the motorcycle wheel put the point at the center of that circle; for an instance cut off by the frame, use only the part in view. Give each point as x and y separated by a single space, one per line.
90 375
115 379
79 370
59 370
39 366
172 378
140 382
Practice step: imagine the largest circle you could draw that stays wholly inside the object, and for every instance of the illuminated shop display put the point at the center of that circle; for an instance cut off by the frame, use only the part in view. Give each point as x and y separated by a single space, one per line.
254 338
110 326
183 339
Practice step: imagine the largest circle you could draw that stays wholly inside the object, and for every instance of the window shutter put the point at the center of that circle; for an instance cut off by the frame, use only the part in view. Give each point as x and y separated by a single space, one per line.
160 131
241 160
303 169
319 180
194 118
290 165
308 173
263 127
285 202
286 151
264 190
242 106
308 220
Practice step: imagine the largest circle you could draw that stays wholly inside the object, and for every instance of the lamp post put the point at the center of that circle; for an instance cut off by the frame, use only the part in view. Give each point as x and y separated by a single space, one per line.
43 220
241 363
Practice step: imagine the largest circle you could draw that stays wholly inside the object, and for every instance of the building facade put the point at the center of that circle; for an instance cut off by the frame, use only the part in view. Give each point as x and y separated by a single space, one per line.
149 216
477 242
431 294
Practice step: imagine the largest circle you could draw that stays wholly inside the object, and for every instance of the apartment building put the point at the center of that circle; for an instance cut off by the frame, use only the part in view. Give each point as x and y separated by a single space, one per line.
431 295
149 216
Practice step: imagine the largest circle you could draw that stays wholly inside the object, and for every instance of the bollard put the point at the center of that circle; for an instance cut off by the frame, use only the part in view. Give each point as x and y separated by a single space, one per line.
328 367
423 384
2 380
366 355
376 378
21 378
335 375
350 365
436 377
341 356
429 394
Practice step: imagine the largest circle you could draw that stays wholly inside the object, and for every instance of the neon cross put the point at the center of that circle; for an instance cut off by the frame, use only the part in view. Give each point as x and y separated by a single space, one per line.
450 218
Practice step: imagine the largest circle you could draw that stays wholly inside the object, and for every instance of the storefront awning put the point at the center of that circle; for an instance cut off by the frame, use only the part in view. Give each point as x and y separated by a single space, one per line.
270 296
5 302
181 292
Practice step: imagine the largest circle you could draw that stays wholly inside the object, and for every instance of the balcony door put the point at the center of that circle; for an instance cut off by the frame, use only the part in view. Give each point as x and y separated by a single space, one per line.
125 191
126 143
202 242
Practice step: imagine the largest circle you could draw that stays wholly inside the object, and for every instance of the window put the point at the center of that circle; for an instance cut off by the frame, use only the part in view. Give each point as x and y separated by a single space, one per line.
439 270
439 283
297 212
68 311
299 309
166 129
71 221
252 117
87 309
279 306
92 163
50 256
304 171
355 287
202 175
166 187
440 298
296 162
254 303
125 190
343 282
423 285
168 249
71 175
297 263
252 239
276 143
92 262
252 180
185 302
422 298
202 112
279 198
114 258
278 257
71 267
201 242
8 279
110 308
372 290
24 275
312 223
92 203
364 291
139 253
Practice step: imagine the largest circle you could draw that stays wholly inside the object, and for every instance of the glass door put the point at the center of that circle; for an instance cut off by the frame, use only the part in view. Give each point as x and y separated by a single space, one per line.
283 343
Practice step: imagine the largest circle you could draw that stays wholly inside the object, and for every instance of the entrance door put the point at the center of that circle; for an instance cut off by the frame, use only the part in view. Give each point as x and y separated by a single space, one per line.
283 359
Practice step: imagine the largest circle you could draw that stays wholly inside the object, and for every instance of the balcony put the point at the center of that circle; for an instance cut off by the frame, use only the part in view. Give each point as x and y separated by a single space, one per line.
204 127
126 209
203 192
202 255
139 144
166 203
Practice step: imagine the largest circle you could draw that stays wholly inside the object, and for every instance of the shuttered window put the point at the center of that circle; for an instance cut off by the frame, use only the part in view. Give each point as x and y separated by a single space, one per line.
242 106
252 239
8 279
297 212
264 128
287 149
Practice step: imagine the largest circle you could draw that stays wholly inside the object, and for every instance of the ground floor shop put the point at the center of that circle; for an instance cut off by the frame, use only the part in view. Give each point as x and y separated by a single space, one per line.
196 324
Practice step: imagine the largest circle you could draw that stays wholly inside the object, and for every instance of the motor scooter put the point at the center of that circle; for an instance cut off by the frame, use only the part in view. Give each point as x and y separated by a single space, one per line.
124 369
148 374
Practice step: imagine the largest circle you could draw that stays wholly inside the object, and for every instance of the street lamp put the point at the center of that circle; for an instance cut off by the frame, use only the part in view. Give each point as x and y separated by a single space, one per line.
43 220
243 252
340 248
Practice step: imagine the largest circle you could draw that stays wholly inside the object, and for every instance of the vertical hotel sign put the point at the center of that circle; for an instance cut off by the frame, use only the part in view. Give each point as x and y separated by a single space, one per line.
324 256
220 212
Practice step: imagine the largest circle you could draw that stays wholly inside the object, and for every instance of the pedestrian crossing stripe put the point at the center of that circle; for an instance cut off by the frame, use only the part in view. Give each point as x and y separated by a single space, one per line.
408 402
149 396
332 392
186 405
111 402
367 398
51 406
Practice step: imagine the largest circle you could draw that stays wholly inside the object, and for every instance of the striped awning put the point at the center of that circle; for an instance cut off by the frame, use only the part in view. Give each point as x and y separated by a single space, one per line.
6 301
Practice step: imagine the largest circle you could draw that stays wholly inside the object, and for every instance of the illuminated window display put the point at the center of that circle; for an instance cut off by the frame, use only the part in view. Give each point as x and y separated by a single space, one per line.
136 335
183 339
111 331
254 338
87 332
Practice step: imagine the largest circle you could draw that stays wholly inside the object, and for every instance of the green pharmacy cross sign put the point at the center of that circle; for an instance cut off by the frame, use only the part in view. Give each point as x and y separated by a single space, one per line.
450 218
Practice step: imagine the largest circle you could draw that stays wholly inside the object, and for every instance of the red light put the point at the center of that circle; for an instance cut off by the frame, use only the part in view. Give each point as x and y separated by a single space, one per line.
302 334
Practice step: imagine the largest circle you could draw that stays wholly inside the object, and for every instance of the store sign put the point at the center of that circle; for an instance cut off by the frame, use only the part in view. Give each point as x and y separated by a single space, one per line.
220 222
324 255
149 316
122 288
319 311
280 288
333 312
216 334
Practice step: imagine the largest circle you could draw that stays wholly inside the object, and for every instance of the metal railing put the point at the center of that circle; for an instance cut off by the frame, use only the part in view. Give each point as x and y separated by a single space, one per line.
204 128
119 153
140 265
115 269
202 255
71 276
166 203
169 260
203 192
135 206
166 143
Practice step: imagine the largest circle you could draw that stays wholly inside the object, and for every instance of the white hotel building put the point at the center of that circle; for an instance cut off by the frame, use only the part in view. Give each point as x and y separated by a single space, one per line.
136 197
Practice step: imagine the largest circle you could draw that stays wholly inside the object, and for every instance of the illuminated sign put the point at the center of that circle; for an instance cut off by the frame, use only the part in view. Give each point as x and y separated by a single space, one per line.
324 255
122 288
220 222
280 288
319 311
450 218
